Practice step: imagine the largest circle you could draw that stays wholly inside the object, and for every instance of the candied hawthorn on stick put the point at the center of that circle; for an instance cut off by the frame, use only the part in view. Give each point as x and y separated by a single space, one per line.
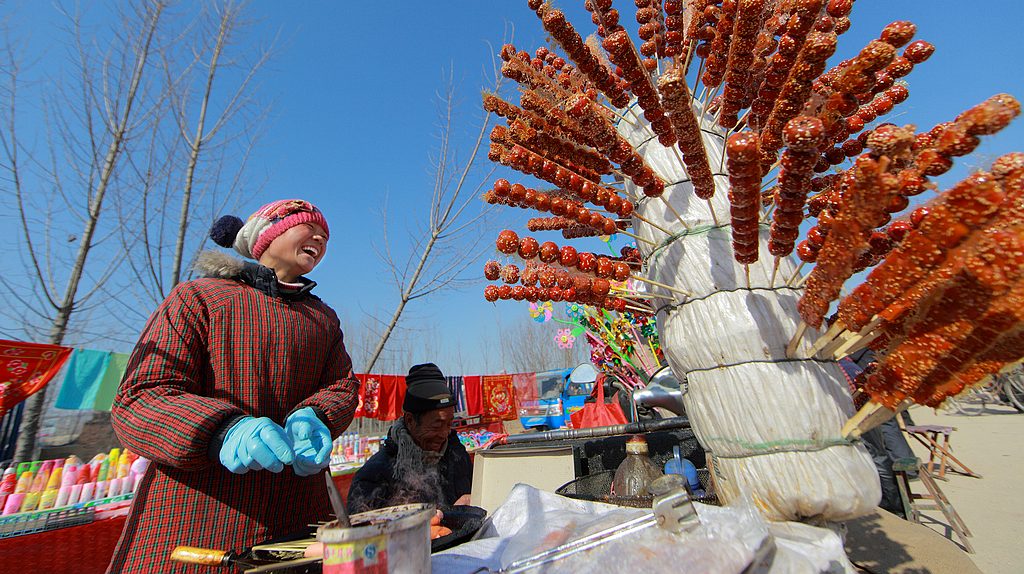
743 160
676 96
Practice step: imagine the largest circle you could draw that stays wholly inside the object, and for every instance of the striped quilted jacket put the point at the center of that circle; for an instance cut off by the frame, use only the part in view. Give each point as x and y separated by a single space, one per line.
215 350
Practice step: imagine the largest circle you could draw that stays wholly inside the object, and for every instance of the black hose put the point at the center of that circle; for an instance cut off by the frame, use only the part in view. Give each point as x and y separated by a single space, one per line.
629 428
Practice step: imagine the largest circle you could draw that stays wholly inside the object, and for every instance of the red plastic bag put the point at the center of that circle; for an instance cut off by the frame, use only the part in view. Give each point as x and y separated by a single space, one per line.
598 413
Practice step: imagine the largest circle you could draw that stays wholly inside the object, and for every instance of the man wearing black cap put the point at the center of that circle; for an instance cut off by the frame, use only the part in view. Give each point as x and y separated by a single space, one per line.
422 459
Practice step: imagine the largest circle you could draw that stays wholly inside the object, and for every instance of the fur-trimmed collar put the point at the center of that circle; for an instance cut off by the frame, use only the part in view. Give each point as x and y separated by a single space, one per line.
223 266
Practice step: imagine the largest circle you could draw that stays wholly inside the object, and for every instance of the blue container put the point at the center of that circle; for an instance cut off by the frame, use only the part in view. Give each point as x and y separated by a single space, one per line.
685 468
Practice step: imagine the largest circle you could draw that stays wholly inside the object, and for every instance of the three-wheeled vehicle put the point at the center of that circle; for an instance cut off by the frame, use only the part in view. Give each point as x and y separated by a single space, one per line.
561 393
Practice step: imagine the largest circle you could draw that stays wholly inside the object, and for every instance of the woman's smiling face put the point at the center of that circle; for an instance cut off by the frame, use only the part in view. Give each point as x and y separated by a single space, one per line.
296 252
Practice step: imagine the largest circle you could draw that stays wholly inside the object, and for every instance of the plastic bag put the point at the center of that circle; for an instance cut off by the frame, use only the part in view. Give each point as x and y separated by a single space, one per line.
598 413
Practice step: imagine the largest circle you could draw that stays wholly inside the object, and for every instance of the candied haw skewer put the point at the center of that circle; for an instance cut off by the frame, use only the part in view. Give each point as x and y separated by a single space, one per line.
795 92
603 136
743 157
802 137
861 210
561 30
794 34
716 61
749 17
975 296
968 205
622 53
675 29
1008 172
676 97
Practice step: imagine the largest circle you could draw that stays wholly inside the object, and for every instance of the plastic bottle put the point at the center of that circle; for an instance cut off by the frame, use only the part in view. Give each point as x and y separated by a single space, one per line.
636 472
10 480
49 496
35 492
67 482
15 500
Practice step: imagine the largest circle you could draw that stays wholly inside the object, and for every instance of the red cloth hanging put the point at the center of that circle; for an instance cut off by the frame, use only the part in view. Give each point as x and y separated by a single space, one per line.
526 388
499 398
25 368
380 396
474 395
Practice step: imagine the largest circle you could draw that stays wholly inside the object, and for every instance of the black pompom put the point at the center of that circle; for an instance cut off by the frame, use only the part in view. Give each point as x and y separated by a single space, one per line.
225 229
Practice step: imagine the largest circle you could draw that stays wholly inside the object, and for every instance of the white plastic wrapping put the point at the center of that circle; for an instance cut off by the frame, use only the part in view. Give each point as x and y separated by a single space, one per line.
772 424
728 539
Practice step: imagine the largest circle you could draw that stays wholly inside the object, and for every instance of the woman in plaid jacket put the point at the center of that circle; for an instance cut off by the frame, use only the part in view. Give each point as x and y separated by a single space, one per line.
234 391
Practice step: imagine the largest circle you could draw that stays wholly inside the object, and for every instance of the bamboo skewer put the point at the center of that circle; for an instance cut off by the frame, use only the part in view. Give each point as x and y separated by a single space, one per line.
870 416
775 270
711 208
642 295
637 237
834 331
832 347
801 281
689 56
795 341
652 224
795 273
746 273
861 339
856 344
662 285
672 208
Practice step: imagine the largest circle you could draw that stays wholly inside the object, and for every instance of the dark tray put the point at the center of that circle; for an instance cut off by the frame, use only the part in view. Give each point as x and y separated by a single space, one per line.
463 520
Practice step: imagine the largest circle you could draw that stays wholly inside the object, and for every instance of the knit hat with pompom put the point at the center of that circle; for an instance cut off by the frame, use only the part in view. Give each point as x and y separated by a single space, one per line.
253 237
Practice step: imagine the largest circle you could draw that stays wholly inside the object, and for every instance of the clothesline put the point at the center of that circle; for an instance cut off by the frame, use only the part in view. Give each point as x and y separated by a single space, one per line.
91 378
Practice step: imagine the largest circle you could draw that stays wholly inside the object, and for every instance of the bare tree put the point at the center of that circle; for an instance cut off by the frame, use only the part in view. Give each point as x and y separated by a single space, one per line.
199 161
90 129
448 244
535 349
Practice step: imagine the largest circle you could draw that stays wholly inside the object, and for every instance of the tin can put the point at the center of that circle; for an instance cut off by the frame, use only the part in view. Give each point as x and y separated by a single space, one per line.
389 540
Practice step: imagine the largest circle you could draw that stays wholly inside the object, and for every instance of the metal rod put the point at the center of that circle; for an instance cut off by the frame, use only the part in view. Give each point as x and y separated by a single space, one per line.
570 434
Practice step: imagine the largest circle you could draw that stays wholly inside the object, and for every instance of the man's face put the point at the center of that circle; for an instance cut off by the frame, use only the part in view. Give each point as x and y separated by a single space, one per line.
296 251
431 432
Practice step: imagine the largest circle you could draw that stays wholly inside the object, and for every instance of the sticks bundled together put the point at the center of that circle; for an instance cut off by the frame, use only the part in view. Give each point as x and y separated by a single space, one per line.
790 123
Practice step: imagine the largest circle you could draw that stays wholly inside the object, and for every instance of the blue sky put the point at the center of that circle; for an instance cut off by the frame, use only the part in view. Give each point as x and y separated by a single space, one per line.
354 121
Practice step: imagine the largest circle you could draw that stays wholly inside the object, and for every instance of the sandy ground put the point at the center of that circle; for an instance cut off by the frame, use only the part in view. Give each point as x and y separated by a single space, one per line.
992 445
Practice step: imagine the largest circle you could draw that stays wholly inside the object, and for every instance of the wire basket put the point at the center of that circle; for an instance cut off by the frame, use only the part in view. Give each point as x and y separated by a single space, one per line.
43 520
597 487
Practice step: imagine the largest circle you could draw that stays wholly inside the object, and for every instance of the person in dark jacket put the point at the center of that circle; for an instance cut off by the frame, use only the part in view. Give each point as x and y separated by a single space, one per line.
885 443
422 460
234 391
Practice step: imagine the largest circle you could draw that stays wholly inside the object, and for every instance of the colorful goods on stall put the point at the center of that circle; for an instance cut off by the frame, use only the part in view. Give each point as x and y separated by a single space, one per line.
715 182
43 485
477 439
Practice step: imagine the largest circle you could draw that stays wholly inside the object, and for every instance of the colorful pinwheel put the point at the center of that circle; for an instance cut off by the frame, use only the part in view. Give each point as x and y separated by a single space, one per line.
541 312
565 339
574 311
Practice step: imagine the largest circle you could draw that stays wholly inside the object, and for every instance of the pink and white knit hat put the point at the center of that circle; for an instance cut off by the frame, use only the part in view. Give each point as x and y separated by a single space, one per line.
253 237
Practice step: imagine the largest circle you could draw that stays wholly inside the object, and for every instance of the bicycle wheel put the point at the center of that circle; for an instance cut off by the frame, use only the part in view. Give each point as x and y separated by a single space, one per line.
1013 386
969 403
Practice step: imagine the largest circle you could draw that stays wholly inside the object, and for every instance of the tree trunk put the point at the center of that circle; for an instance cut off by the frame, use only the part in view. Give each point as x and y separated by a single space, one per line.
193 158
406 297
26 446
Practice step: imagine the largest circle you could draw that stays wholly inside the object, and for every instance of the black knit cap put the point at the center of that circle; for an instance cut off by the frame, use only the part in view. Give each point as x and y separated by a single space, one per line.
426 390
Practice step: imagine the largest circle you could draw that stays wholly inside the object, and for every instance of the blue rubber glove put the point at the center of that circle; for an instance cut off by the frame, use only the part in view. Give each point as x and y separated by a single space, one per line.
311 441
256 444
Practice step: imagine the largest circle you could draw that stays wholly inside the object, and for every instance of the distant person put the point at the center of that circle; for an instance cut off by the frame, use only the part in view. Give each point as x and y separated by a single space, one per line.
422 460
885 443
234 391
